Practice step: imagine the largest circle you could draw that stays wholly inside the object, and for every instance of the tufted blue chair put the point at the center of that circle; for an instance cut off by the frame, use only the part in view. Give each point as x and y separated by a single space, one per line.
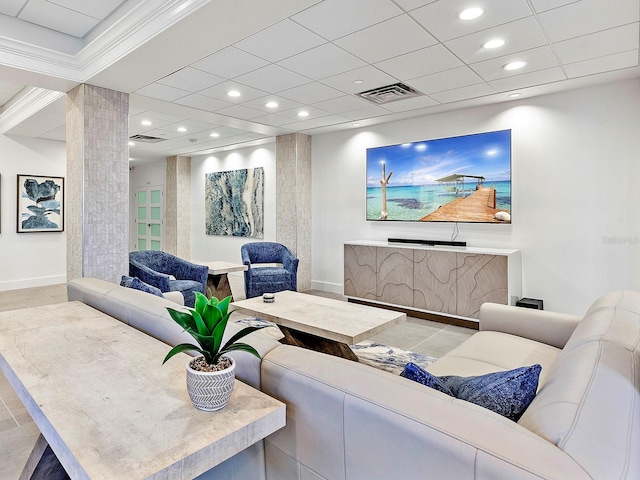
154 267
259 280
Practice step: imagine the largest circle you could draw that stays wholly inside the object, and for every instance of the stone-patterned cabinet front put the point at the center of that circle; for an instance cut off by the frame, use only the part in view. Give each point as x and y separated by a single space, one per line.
434 280
395 276
360 271
480 279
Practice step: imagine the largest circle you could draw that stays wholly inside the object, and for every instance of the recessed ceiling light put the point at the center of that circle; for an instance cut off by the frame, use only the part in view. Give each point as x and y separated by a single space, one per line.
494 43
182 129
355 124
358 82
514 65
146 123
271 104
132 144
470 13
214 134
303 113
233 93
514 95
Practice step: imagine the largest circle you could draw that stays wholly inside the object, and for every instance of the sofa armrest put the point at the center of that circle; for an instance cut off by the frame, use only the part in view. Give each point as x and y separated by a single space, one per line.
547 327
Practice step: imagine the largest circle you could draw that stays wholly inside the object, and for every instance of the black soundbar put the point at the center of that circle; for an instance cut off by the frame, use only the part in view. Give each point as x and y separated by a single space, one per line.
427 242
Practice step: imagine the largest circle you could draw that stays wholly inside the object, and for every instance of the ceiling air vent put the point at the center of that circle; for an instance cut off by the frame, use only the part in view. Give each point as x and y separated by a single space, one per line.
146 139
389 93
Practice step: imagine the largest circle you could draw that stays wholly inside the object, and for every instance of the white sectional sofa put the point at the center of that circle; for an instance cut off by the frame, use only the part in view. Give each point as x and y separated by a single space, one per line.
350 421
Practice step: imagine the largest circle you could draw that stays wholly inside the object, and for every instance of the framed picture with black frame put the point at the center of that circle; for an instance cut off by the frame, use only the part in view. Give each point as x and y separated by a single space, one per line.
40 204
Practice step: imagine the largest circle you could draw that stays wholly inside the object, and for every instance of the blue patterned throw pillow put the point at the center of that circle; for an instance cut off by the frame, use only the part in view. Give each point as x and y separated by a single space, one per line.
507 393
137 284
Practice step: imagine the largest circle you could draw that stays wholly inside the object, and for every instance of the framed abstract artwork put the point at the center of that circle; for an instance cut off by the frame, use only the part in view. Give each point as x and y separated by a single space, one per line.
40 204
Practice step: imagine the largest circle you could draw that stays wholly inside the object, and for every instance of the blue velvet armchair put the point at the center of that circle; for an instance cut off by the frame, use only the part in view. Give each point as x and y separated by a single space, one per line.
155 267
259 280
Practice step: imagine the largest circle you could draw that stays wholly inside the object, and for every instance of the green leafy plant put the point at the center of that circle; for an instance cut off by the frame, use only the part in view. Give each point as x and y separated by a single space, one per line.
206 323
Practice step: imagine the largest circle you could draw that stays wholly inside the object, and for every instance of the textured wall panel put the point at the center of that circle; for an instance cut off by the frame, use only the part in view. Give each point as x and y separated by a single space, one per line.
434 280
360 271
481 278
395 276
178 207
97 183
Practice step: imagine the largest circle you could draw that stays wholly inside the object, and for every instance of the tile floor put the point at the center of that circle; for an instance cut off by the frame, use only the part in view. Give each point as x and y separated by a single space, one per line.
18 433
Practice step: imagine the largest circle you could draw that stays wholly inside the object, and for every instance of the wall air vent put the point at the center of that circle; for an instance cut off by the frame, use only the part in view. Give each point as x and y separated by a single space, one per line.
389 93
146 139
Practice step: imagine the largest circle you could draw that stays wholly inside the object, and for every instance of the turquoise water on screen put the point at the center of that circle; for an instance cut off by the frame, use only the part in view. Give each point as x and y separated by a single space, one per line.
414 202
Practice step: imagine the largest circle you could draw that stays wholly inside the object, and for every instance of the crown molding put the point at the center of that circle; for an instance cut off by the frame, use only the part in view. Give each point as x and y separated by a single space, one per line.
133 24
29 101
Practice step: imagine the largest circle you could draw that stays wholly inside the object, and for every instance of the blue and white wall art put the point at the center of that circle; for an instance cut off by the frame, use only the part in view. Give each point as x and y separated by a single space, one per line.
234 203
40 204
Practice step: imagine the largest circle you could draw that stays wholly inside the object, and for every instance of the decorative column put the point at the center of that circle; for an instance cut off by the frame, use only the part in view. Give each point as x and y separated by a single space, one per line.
178 207
293 200
97 183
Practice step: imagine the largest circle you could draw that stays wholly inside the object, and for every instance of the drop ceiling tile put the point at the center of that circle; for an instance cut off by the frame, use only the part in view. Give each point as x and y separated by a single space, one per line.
336 18
318 122
220 92
229 63
440 18
239 111
311 93
537 59
346 103
202 102
191 79
519 35
321 62
46 14
370 76
272 78
98 10
532 79
158 120
272 119
283 104
282 40
413 4
587 16
543 5
410 104
365 113
464 93
162 92
603 64
387 39
607 42
191 126
313 113
11 7
437 82
162 133
419 63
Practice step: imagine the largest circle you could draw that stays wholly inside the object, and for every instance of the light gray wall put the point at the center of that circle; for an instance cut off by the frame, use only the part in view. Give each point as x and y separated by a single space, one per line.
575 184
29 259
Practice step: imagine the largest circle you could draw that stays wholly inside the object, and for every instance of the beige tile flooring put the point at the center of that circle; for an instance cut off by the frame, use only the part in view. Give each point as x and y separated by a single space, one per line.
18 433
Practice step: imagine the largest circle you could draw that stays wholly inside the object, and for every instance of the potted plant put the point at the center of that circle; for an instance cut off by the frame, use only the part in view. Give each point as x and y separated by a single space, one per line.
210 376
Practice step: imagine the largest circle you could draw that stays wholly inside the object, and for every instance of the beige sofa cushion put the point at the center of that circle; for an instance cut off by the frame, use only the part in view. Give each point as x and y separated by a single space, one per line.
487 352
589 405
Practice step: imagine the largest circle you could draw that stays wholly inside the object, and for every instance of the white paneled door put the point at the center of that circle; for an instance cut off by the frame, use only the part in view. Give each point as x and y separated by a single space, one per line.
149 218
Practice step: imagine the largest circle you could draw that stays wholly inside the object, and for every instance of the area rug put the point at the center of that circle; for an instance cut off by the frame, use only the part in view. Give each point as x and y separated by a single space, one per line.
378 355
388 358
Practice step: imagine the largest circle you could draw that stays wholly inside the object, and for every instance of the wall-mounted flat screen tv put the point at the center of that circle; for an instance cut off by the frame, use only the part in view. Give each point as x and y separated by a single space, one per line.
456 179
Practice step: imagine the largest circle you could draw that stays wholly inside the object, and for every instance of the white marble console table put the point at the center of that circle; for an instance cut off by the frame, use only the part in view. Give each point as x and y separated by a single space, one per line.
97 390
451 281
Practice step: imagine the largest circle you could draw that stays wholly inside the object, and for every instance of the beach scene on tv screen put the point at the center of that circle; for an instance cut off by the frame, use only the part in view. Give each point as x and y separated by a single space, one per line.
456 179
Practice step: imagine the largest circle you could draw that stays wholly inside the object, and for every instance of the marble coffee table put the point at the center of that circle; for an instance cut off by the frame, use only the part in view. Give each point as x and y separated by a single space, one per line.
97 390
217 281
321 323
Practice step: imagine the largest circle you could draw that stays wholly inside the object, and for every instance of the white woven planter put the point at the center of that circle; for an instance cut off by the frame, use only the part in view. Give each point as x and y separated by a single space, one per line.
210 391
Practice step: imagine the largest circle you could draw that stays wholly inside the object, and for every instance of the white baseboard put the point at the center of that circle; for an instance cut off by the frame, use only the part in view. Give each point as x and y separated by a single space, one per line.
32 282
336 288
